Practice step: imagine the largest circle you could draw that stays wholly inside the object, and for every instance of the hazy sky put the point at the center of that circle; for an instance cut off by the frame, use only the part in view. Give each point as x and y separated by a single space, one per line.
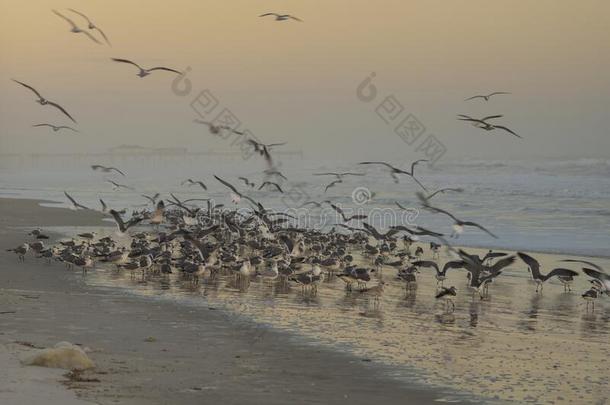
296 82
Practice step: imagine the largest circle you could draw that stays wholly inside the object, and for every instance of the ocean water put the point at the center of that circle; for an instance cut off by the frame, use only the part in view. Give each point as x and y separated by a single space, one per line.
556 206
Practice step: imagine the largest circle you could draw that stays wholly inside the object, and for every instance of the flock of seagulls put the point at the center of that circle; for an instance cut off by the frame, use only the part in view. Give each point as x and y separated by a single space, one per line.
200 240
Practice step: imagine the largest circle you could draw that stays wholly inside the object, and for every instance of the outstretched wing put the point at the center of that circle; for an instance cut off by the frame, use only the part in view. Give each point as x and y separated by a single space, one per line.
61 109
28 87
481 227
426 263
126 61
164 68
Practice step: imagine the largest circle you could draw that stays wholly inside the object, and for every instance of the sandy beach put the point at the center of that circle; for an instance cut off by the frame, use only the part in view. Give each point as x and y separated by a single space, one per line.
153 353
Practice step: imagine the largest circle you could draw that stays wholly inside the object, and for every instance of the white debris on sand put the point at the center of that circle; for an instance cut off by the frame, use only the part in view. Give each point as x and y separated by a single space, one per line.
64 355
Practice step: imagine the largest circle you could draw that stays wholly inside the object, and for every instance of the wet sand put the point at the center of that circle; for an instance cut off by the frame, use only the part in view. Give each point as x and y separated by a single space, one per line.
153 352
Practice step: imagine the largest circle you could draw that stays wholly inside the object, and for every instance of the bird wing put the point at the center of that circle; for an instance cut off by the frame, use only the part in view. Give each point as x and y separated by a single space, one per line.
443 190
118 220
434 209
295 18
275 144
228 185
127 61
481 227
326 174
415 164
473 97
77 205
164 68
531 262
91 37
42 125
490 117
104 206
493 255
378 163
507 130
507 261
61 109
595 266
203 186
497 92
117 170
455 264
426 263
81 14
603 277
400 206
561 272
67 127
65 18
103 35
266 14
29 87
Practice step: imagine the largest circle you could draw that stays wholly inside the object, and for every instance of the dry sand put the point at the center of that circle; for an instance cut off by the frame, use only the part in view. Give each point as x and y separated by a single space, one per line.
154 353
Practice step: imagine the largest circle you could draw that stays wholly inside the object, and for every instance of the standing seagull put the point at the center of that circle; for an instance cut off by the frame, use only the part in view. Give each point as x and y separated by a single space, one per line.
566 276
75 28
55 127
281 17
486 96
145 72
43 101
91 25
394 171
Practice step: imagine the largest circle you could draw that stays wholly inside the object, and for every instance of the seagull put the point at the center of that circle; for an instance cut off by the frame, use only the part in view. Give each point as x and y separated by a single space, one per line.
590 296
55 127
345 218
332 184
446 294
91 25
281 17
566 276
116 186
339 176
21 251
458 226
270 183
75 205
373 232
107 169
602 278
275 172
394 171
191 182
237 193
487 96
124 226
247 182
152 199
43 101
483 124
263 149
216 128
441 275
145 72
426 198
75 29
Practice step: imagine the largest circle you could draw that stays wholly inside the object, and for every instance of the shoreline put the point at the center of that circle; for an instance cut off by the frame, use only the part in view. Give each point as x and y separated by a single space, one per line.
152 352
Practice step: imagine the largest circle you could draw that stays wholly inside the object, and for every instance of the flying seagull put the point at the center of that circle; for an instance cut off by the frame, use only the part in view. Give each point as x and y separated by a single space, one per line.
486 96
75 29
332 184
458 226
281 17
192 182
55 127
565 275
122 225
247 182
263 149
91 25
425 199
116 186
346 218
216 128
75 205
394 171
270 183
145 72
483 124
43 101
232 188
339 176
107 169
